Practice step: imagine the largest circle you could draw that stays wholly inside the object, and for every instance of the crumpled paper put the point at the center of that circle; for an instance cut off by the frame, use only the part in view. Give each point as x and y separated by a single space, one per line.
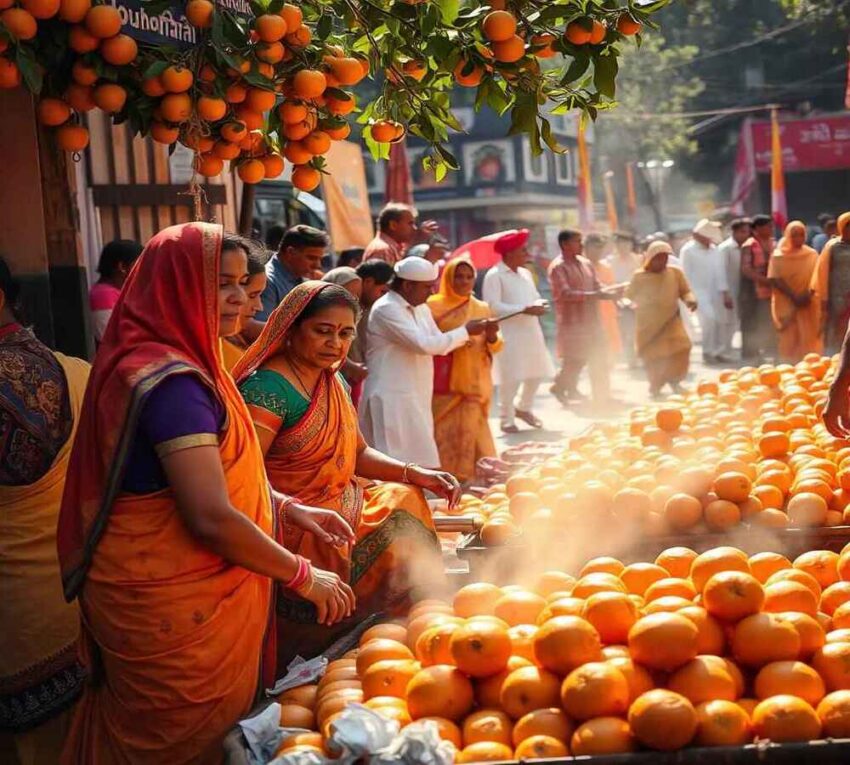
299 672
364 736
263 734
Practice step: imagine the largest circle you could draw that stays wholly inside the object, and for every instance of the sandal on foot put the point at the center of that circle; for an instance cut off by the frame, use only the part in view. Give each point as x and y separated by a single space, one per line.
529 419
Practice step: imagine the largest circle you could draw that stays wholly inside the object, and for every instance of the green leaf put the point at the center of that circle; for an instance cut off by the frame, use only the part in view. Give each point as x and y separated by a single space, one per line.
550 140
605 75
323 28
578 66
340 95
446 156
154 70
449 10
30 69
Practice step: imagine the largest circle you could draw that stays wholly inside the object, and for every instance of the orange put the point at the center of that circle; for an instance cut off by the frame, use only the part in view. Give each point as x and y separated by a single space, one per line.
704 678
732 486
682 511
80 98
834 714
211 109
484 751
103 21
480 648
487 725
721 515
667 603
774 444
270 27
528 688
834 596
566 642
176 107
604 735
631 505
292 15
379 649
663 720
711 638
677 560
841 617
391 707
387 631
236 93
612 614
541 747
596 689
295 716
339 133
578 32
299 38
488 690
199 13
799 576
347 70
152 87
441 691
110 97
598 32
521 607
769 496
809 629
447 730
669 418
297 740
663 641
162 133
433 645
317 142
468 74
550 721
732 595
789 596
498 26
786 718
308 84
714 561
601 565
385 131
832 663
476 599
764 565
209 165
510 50
789 677
670 586
638 576
303 695
722 723
388 678
498 531
73 11
305 178
81 41
821 564
553 581
72 137
566 606
522 640
83 73
762 638
259 100
19 23
176 79
53 112
119 50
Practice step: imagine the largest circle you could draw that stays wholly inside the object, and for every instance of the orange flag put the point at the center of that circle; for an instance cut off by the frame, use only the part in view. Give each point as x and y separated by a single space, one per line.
778 200
585 188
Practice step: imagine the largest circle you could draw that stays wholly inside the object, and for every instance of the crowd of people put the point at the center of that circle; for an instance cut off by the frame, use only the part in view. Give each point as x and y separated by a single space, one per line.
243 472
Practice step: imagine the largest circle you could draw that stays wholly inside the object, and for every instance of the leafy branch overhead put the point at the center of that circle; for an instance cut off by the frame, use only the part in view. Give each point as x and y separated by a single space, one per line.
276 83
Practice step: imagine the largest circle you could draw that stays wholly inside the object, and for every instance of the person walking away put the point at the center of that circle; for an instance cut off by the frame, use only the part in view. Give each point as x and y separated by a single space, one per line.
116 260
233 346
463 384
703 269
796 315
401 337
757 333
830 231
576 293
623 263
595 247
831 285
313 449
524 362
730 259
375 276
41 393
166 528
661 341
298 258
397 230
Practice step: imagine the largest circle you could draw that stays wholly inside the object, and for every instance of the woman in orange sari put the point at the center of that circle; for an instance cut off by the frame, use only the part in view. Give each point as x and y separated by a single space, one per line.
796 313
166 527
234 346
313 448
463 385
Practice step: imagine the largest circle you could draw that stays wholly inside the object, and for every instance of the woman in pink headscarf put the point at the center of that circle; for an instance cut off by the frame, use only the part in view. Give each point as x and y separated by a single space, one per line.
796 314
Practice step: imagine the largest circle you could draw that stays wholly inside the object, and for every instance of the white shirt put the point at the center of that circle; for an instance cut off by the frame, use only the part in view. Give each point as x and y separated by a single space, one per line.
704 270
395 410
730 258
525 356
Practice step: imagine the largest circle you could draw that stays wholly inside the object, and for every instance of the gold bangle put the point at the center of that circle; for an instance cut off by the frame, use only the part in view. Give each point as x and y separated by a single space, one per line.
404 472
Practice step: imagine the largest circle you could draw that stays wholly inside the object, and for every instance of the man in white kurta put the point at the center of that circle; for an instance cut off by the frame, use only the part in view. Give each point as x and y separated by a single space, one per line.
730 258
703 267
524 362
402 337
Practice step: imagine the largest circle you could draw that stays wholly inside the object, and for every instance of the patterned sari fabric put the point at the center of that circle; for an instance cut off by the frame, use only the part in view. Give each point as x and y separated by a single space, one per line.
40 676
173 634
461 427
831 284
314 460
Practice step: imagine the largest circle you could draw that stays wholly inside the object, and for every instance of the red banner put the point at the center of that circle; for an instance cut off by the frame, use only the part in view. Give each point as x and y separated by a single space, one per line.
816 143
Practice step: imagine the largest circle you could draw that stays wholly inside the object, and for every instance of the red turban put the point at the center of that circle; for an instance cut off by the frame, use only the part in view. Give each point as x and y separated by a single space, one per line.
511 240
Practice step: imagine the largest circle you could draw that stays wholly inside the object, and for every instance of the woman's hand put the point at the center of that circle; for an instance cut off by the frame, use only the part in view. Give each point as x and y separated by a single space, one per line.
438 481
333 598
326 525
836 415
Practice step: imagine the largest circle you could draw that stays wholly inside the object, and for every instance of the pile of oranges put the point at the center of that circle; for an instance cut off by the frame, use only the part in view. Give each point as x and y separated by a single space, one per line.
748 449
715 649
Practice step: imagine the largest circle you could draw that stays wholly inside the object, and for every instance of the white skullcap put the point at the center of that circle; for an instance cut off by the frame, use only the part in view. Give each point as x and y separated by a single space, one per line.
416 270
710 230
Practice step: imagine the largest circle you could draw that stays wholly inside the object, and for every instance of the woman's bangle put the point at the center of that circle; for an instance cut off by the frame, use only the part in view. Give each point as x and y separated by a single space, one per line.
286 504
404 478
302 574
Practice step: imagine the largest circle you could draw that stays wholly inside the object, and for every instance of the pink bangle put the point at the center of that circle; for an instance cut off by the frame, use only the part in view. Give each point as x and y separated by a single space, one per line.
301 574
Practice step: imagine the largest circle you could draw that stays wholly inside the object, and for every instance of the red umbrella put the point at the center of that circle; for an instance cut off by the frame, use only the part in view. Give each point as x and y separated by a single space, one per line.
482 251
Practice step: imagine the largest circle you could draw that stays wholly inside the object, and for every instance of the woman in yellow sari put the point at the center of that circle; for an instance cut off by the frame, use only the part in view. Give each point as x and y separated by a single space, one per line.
40 678
313 448
166 528
463 384
796 313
